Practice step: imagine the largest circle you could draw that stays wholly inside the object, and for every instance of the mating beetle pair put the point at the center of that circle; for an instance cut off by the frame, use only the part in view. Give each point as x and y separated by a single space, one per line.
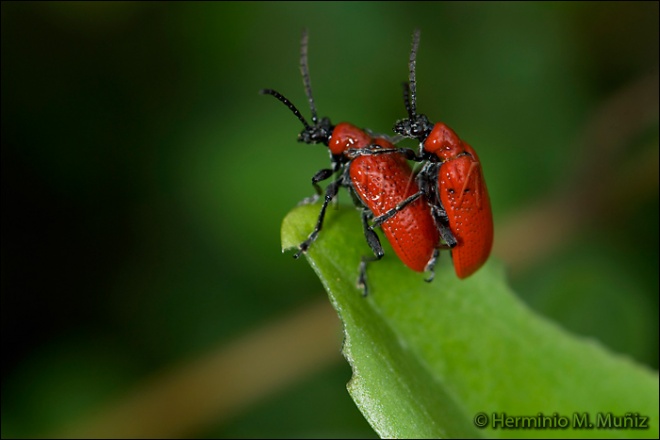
445 206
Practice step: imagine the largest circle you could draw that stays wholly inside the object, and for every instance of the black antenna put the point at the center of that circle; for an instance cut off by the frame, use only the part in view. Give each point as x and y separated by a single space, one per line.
411 100
406 100
416 126
288 103
321 130
304 70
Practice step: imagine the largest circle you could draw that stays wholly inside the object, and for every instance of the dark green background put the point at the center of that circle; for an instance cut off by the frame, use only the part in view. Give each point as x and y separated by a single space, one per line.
144 179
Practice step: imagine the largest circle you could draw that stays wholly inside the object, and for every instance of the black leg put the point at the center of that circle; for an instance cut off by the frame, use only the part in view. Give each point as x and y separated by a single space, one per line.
372 238
320 176
375 150
330 193
392 212
427 179
430 266
376 247
442 222
362 275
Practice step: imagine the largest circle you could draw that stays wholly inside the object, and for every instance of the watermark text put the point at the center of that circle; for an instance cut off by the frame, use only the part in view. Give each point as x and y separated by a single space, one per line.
577 420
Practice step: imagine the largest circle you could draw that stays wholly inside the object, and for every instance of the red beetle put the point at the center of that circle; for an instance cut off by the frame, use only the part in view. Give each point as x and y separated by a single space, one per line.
452 180
380 181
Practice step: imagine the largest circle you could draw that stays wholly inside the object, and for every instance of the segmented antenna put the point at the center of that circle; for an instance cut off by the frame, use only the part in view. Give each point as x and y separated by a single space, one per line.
412 98
288 103
406 100
304 70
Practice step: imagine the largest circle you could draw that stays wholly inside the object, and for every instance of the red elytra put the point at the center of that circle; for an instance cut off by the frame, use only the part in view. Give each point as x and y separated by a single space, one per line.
383 182
464 196
454 174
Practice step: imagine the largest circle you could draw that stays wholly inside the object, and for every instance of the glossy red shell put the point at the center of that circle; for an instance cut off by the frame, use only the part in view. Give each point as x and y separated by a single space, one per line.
384 181
443 142
346 136
464 196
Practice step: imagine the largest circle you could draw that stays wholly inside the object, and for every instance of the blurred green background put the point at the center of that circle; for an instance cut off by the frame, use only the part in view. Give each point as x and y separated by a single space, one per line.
144 179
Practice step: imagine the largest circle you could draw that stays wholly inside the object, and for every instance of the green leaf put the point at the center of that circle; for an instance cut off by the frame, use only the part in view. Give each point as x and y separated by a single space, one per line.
427 358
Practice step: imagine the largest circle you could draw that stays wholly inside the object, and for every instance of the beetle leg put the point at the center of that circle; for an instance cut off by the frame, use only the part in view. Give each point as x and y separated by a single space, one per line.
442 222
372 238
430 266
427 180
375 150
320 176
392 212
376 247
330 193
